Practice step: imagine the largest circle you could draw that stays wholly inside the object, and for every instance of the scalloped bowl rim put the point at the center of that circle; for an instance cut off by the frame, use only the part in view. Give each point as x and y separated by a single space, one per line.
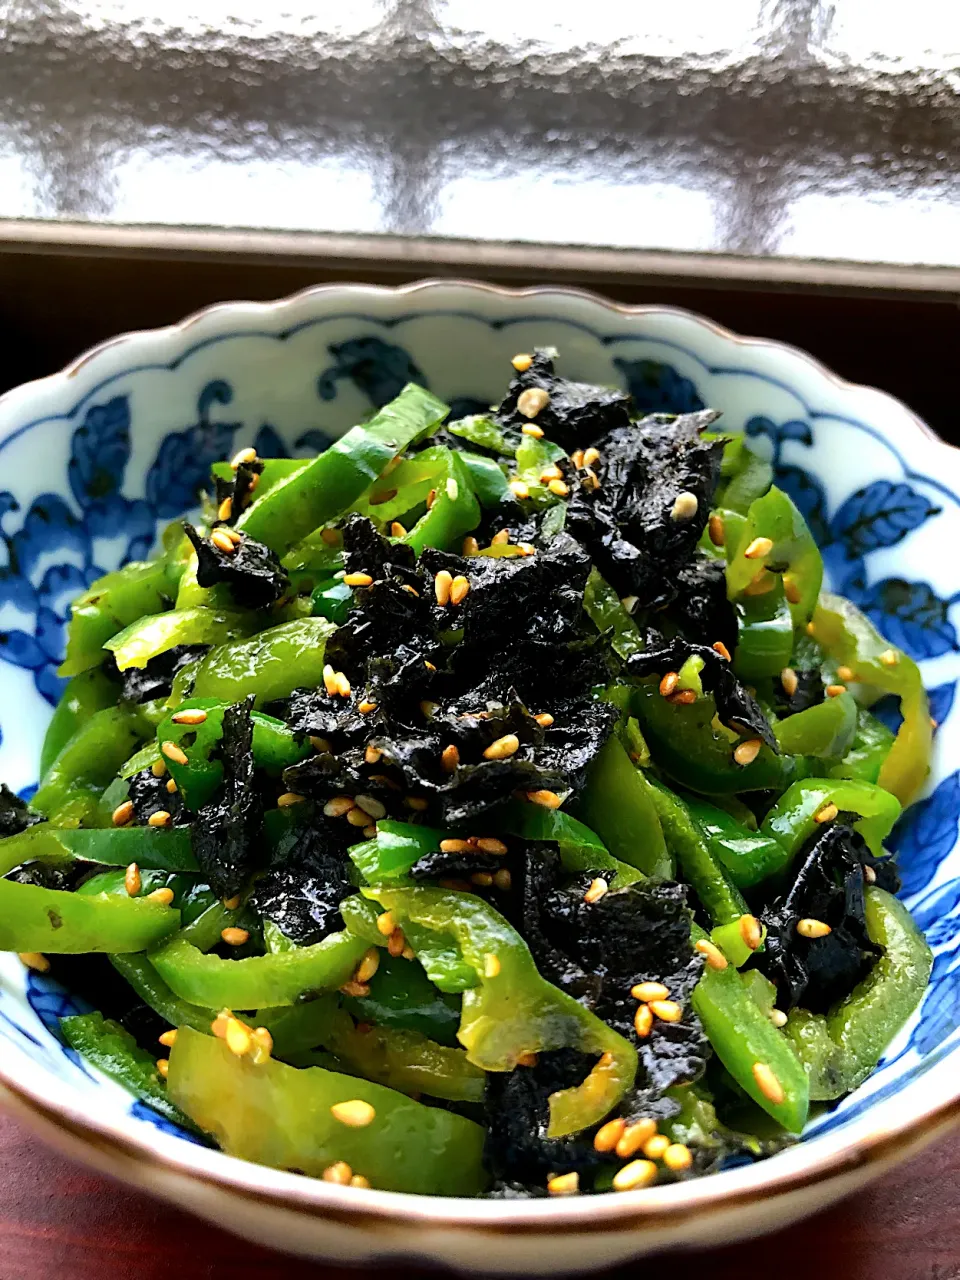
825 1158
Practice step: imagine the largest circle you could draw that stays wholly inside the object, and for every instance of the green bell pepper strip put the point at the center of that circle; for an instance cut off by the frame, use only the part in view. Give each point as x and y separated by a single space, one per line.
274 471
617 803
580 848
280 1116
398 845
686 743
148 637
486 477
742 1036
765 634
841 1049
406 1061
112 603
332 482
747 857
602 605
868 751
439 955
794 552
145 758
149 847
826 730
257 981
729 938
270 665
482 431
455 510
402 996
153 991
332 600
106 1045
721 898
744 476
90 758
791 820
513 1010
274 749
87 693
190 594
405 487
851 640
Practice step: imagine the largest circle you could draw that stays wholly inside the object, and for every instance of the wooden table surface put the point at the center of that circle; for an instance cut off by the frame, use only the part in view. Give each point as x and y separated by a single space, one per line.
60 1222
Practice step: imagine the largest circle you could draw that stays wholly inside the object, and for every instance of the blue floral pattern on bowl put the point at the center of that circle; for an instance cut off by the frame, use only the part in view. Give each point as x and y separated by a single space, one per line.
118 462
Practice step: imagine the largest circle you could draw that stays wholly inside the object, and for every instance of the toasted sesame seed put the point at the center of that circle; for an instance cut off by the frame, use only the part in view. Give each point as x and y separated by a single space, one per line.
643 1021
597 890
789 681
173 752
172 785
490 844
778 1017
358 1180
449 759
343 685
219 1025
35 960
160 819
747 752
396 943
835 690
522 362
370 830
559 488
357 817
531 401
454 845
355 1113
869 874
441 585
506 746
238 1037
889 657
289 798
750 931
546 799
482 879
714 956
655 1147
123 813
629 603
716 530
685 506
647 991
386 923
338 806
189 715
381 496
168 1039
233 534
767 1083
503 880
826 813
431 499
634 1137
544 720
263 1044
491 965
609 1134
591 457
222 542
677 1157
234 937
357 579
452 488
244 456
163 1067
329 679
397 530
564 1184
669 683
372 806
683 698
520 488
531 429
354 988
471 546
845 674
372 754
225 509
340 1174
527 1059
158 768
633 1176
132 880
429 665
408 952
419 804
758 548
366 706
233 903
791 590
429 709
666 1010
577 458
500 539
762 584
808 928
719 647
332 537
459 589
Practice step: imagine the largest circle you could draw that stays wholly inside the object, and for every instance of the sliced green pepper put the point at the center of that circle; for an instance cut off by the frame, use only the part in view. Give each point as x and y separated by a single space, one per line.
744 476
826 730
274 471
794 553
765 634
514 1011
711 883
453 513
747 857
270 665
406 1061
148 637
580 848
86 693
618 804
486 477
332 482
281 1116
113 1050
438 954
791 821
745 1040
115 847
851 640
398 845
607 613
840 1049
483 431
332 600
402 996
113 602
868 751
90 758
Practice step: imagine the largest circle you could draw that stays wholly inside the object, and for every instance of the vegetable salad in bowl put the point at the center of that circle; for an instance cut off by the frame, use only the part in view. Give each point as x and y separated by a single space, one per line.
486 806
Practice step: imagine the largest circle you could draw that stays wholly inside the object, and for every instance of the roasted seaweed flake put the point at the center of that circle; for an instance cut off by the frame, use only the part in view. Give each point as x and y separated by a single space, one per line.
149 795
737 708
15 816
702 610
818 972
577 413
809 692
227 832
155 680
239 488
303 887
251 570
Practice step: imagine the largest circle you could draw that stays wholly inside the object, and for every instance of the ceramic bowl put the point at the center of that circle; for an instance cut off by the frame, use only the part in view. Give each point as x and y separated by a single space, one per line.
97 458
